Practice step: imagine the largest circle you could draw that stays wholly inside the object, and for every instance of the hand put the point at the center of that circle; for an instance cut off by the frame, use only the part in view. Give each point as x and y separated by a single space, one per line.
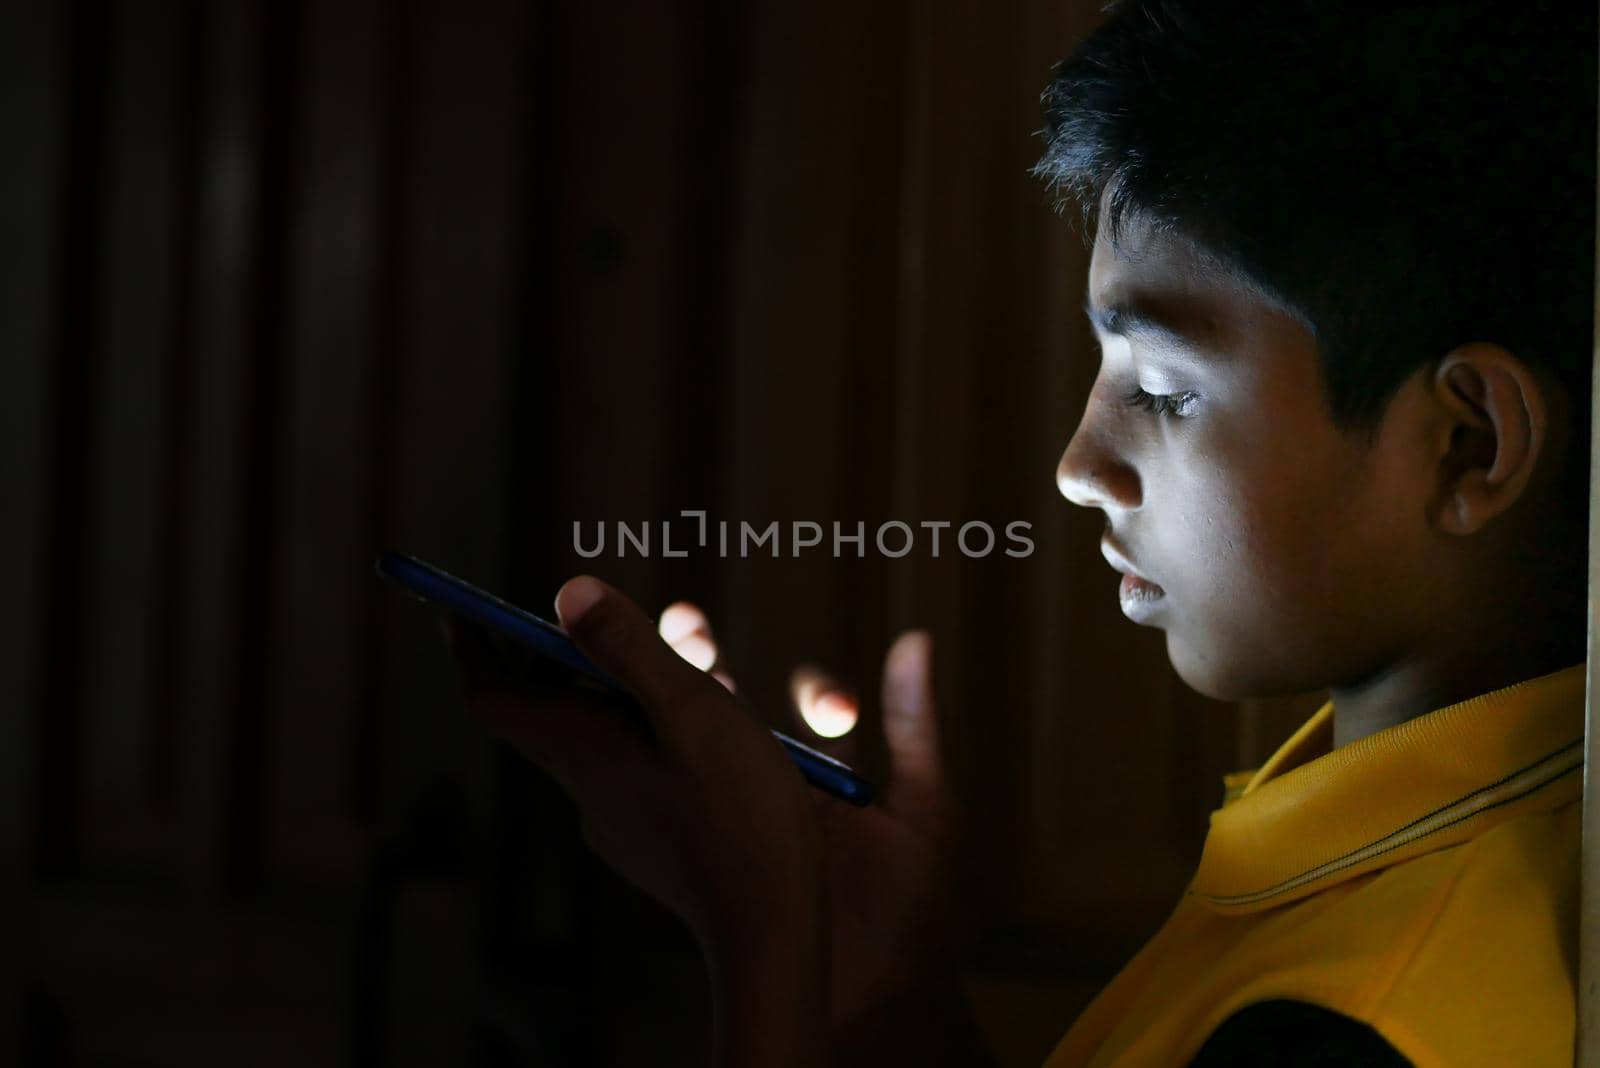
889 866
695 802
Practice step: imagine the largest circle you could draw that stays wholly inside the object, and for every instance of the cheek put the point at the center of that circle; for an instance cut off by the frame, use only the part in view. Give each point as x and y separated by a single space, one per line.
1257 534
1242 623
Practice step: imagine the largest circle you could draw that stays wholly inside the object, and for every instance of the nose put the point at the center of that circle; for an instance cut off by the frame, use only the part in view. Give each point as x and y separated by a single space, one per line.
1093 473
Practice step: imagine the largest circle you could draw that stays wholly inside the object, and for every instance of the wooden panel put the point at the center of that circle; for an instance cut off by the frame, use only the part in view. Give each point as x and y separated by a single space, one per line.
204 656
1062 374
630 260
958 359
446 458
257 556
176 370
125 829
32 106
441 461
810 412
1588 1044
76 354
1588 988
621 244
325 522
151 980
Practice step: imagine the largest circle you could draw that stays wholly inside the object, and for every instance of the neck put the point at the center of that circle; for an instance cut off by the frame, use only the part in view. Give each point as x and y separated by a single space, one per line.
1484 637
1422 684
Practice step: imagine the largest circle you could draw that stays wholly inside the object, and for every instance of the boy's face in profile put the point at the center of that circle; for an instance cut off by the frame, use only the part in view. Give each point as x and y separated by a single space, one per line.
1286 552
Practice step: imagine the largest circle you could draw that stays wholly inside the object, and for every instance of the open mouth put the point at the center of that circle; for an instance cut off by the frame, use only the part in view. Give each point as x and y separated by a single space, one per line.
1139 597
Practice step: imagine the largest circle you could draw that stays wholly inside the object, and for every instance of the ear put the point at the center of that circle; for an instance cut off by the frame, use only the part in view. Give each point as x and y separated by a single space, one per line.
1495 423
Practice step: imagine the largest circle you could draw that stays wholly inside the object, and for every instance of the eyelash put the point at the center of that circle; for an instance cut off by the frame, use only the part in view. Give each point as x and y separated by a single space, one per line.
1171 405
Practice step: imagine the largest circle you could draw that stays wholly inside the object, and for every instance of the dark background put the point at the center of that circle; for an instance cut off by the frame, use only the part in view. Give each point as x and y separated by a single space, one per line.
289 282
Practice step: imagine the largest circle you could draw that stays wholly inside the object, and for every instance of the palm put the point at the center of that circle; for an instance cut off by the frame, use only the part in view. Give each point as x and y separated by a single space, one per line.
885 891
888 864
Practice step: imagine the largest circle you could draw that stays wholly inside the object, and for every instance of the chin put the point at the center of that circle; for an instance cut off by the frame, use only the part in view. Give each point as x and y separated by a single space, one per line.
1208 673
1250 670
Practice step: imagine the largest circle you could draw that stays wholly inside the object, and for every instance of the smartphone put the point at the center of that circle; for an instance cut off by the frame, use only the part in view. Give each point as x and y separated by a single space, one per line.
545 639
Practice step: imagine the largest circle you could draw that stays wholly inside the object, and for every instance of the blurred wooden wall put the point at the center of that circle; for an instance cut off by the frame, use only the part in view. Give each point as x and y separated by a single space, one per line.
287 283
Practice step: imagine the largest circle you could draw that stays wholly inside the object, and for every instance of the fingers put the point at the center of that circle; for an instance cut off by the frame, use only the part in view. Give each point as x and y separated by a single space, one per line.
687 630
590 750
589 746
616 634
484 663
916 788
829 708
826 705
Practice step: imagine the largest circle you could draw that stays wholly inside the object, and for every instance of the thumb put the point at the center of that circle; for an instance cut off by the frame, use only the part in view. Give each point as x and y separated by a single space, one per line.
916 789
621 640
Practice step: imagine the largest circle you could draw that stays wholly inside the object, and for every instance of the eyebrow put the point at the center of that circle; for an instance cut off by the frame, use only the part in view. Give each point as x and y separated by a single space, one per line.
1130 318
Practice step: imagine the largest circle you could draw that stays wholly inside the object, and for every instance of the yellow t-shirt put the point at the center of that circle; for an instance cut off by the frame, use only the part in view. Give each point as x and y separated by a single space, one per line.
1423 880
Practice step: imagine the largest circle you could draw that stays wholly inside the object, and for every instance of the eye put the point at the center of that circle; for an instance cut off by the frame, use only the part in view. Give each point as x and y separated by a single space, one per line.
1172 405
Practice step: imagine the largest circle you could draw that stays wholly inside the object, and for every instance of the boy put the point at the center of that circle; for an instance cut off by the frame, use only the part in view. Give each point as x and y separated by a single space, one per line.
1342 281
1350 323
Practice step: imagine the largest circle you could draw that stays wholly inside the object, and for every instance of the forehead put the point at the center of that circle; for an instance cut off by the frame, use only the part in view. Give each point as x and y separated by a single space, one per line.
1141 250
1160 283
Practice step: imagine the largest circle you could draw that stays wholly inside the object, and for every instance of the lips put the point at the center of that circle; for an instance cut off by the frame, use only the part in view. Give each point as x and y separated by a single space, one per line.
1141 599
1119 562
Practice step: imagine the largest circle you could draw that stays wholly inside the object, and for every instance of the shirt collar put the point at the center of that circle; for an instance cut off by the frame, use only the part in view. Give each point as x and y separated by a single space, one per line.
1310 818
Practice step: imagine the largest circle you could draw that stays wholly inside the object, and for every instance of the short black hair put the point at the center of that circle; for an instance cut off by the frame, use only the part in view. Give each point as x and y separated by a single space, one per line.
1408 177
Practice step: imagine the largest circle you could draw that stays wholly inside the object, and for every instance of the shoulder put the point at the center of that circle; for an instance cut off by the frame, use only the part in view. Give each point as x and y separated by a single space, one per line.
1295 1034
1487 969
1459 956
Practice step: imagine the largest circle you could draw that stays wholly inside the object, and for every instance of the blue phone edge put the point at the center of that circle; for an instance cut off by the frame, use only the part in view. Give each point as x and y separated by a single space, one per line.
542 636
